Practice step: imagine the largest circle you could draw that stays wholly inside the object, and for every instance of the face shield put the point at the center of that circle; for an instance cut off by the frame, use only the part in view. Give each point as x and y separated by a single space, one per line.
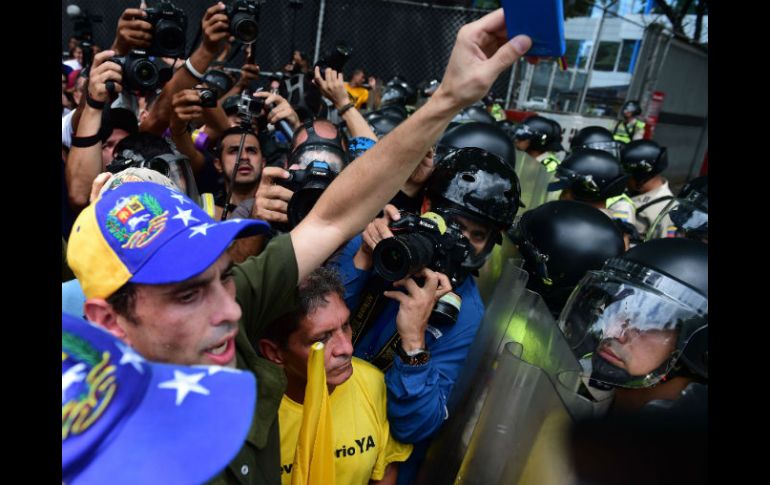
567 178
686 218
628 325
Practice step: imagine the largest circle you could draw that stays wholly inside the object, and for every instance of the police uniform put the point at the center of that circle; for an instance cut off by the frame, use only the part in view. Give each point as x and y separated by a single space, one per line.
621 207
624 133
549 161
648 213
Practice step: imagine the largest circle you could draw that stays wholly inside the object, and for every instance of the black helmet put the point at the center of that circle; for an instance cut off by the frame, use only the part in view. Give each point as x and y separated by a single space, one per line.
474 113
687 215
508 126
632 106
591 175
410 93
596 137
393 95
543 134
427 88
477 135
643 159
560 242
656 297
382 124
394 110
475 183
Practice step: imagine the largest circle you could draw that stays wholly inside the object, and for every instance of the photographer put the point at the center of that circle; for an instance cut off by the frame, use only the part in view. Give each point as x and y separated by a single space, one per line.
332 87
428 359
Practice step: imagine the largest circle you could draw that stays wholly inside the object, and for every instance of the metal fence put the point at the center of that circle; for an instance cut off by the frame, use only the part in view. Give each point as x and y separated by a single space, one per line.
411 39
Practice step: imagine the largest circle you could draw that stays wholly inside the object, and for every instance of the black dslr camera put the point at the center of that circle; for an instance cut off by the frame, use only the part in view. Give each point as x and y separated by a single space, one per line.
244 20
249 107
170 29
208 98
307 184
142 74
420 242
336 59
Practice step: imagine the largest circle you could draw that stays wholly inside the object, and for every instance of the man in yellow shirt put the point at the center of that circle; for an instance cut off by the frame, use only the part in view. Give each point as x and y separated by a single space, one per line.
364 449
357 92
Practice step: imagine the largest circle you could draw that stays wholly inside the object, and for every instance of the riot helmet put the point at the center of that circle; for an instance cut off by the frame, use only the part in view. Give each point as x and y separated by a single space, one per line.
591 175
643 317
687 215
477 135
382 124
394 110
542 133
474 183
474 113
508 126
596 137
394 95
410 93
633 107
560 242
643 159
427 88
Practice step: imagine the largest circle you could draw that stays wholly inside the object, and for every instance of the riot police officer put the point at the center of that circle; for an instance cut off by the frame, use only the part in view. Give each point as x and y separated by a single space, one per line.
560 241
640 324
488 136
596 137
540 137
687 215
644 161
595 177
630 127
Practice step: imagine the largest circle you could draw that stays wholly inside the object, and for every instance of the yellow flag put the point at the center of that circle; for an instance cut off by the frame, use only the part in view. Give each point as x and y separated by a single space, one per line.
314 457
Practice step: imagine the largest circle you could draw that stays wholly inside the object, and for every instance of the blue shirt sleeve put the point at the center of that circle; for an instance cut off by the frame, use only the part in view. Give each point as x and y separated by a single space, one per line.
418 395
353 278
359 145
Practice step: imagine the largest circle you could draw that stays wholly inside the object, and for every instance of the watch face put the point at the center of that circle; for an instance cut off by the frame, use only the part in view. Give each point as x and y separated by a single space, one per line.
418 358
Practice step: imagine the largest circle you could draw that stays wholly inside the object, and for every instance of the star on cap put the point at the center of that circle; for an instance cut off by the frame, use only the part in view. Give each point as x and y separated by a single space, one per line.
181 198
185 216
185 384
130 357
201 229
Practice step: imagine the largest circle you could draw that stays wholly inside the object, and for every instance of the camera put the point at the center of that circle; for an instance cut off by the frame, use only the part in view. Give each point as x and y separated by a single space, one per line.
208 98
420 242
170 28
140 73
244 20
307 184
336 58
250 107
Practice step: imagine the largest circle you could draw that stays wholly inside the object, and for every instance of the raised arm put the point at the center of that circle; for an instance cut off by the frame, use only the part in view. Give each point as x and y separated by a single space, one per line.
481 52
332 87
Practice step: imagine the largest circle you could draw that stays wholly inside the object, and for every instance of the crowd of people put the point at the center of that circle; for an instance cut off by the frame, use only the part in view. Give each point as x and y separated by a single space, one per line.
217 224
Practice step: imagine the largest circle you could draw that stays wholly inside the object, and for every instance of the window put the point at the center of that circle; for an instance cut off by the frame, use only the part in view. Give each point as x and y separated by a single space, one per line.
606 56
575 53
626 50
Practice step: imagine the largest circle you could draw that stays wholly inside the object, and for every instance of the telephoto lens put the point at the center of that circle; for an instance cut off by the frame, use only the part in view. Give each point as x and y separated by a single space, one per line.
244 20
397 257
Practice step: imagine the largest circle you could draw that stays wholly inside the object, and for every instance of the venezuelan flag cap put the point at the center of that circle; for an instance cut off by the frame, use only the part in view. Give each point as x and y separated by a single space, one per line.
126 420
145 233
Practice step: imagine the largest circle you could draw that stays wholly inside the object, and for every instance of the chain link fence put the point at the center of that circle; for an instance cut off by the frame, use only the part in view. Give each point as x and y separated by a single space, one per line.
411 39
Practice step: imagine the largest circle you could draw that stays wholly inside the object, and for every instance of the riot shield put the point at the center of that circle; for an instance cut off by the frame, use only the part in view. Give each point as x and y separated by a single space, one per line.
533 178
487 414
489 274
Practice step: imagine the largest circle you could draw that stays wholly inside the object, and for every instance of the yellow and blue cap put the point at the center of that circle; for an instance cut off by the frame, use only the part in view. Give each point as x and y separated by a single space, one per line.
146 233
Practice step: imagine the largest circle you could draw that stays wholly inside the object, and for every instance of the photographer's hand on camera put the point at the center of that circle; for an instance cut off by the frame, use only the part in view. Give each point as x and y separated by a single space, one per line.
278 109
102 71
132 32
216 30
271 202
416 305
376 231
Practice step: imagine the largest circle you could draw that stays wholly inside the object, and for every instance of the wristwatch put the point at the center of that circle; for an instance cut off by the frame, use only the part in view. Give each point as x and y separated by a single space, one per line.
413 357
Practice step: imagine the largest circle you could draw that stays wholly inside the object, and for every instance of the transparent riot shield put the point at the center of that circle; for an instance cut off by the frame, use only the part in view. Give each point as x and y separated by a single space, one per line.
533 178
489 274
502 421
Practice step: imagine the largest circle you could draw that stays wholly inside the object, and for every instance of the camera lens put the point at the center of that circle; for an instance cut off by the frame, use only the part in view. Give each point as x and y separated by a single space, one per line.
145 74
244 27
398 257
169 36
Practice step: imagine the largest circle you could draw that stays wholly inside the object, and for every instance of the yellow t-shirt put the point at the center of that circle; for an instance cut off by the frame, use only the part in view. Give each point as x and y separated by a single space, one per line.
358 95
362 442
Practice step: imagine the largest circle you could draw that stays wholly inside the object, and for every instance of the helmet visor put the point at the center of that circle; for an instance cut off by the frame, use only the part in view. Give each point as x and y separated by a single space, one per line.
611 147
523 132
627 331
681 218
